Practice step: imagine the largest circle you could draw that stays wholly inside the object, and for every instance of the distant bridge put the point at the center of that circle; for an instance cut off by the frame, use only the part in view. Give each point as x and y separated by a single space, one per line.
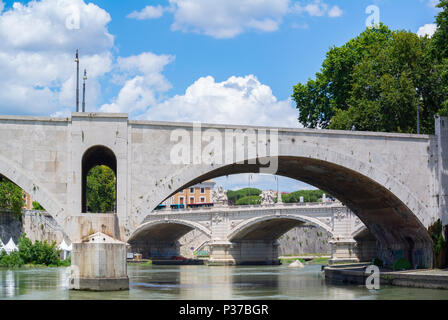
246 234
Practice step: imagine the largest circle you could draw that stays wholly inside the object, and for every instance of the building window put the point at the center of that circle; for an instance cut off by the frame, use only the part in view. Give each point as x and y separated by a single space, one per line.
202 190
191 190
181 191
181 200
202 200
192 201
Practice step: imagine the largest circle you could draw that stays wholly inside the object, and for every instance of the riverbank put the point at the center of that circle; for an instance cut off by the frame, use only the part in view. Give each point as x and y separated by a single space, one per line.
355 275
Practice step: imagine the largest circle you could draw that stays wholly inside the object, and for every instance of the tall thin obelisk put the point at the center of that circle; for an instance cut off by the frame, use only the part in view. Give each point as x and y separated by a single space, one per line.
84 91
77 80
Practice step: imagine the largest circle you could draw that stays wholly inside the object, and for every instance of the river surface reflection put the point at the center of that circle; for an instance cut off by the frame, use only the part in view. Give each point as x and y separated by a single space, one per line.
202 283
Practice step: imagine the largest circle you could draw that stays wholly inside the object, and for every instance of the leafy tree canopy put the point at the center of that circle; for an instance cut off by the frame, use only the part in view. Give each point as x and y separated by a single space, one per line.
101 190
11 197
374 83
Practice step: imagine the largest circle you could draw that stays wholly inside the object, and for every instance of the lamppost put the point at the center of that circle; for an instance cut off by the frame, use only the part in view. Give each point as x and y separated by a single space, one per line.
420 101
77 80
84 91
248 201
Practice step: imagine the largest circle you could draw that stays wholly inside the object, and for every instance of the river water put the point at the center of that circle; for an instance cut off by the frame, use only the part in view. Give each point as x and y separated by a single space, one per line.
202 283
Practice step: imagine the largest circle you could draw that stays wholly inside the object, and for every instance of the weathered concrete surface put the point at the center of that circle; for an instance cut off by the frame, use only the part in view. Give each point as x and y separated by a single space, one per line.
38 226
99 264
395 183
355 275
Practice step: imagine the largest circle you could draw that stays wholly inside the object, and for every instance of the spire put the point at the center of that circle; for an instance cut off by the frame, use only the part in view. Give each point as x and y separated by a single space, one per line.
77 80
84 91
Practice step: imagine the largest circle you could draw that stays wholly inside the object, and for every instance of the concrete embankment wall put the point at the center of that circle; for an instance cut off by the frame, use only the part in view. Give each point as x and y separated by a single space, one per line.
37 226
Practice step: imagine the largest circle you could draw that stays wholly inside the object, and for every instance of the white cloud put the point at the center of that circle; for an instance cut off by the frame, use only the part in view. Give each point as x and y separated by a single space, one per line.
238 100
317 8
2 6
427 30
335 12
262 182
149 12
226 19
229 18
142 82
37 45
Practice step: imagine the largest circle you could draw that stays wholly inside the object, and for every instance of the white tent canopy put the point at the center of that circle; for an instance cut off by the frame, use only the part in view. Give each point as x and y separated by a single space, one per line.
11 247
65 249
63 246
2 246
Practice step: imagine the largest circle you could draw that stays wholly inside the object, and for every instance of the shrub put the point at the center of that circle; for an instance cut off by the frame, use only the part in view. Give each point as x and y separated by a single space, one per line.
378 262
12 260
402 264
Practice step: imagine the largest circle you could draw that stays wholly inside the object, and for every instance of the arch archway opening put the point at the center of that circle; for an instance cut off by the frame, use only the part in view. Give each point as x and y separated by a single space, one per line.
160 240
99 180
391 221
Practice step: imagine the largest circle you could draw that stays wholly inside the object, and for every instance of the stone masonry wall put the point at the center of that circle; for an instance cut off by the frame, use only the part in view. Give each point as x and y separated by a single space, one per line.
37 226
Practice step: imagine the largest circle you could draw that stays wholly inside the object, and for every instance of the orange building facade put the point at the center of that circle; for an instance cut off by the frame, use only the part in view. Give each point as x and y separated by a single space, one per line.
195 195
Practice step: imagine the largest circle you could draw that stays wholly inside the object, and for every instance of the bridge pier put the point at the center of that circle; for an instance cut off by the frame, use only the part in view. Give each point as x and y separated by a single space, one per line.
247 252
98 259
343 251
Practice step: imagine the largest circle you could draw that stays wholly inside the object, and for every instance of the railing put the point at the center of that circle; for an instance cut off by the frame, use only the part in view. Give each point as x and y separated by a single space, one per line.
249 207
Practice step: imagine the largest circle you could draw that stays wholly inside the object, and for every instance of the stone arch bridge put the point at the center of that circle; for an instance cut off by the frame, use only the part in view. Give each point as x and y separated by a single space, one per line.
396 184
248 234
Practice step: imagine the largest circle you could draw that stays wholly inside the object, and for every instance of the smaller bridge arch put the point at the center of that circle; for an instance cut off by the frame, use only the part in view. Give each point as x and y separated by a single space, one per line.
178 228
272 227
159 239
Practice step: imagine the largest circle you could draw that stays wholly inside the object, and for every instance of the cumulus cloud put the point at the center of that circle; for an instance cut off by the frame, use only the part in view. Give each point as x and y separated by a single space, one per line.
2 6
142 80
227 19
427 30
335 12
262 182
237 100
149 12
318 8
37 45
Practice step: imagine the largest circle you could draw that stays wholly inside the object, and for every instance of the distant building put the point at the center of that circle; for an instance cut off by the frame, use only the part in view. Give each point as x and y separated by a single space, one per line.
28 202
198 194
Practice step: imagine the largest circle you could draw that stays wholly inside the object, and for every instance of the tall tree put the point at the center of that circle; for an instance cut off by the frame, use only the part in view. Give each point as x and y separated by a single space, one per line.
319 100
376 81
440 53
101 190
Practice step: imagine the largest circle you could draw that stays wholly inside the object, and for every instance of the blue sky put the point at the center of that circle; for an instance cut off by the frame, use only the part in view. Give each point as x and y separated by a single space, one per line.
232 61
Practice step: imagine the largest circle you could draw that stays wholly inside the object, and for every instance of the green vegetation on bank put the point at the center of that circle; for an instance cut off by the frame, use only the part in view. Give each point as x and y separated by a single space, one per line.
11 197
29 254
375 82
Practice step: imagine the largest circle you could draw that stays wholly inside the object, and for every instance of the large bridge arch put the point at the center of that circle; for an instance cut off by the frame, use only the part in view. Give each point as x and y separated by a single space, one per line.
389 209
271 227
28 183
